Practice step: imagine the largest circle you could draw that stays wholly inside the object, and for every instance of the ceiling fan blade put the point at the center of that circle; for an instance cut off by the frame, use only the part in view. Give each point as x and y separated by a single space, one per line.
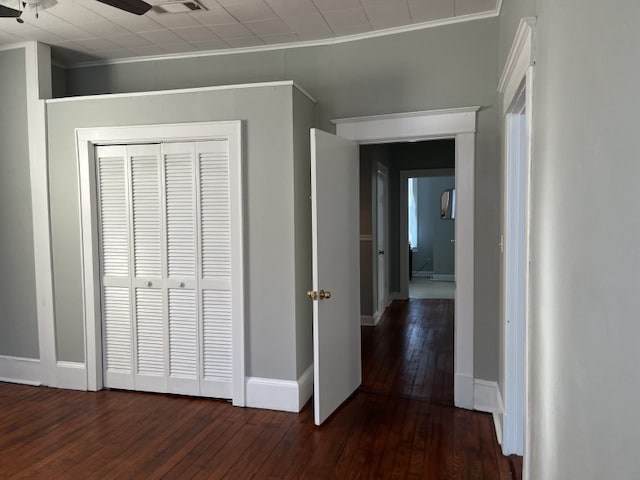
6 12
139 7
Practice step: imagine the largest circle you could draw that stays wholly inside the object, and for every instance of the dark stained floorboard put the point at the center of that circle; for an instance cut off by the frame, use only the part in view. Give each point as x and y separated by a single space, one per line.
400 424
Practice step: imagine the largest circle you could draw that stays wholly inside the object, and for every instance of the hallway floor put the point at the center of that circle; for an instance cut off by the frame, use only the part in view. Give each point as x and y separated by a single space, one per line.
399 424
421 287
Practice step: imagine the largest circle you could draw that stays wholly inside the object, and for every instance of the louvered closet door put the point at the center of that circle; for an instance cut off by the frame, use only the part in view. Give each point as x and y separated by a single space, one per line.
165 236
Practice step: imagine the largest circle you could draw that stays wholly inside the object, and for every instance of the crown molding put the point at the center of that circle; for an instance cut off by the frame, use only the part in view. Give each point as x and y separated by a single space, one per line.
286 46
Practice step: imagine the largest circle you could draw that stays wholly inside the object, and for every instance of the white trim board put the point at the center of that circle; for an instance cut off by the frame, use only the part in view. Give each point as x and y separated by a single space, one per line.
283 395
38 86
312 43
487 398
20 370
516 86
86 140
71 375
460 124
109 96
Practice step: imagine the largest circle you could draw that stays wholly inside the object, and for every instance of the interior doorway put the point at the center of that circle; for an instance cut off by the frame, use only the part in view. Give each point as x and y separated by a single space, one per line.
430 211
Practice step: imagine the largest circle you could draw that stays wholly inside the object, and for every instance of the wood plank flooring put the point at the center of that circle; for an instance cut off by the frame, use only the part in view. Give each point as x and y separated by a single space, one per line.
400 424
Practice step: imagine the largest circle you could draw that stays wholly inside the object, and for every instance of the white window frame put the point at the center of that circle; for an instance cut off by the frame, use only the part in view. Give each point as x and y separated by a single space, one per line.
86 141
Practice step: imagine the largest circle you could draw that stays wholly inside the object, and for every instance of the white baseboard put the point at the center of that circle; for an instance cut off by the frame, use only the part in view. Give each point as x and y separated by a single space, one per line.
463 391
20 370
441 277
275 394
487 398
421 274
367 320
71 375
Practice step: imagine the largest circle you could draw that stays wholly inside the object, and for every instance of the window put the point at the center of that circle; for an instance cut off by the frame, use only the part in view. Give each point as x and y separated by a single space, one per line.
413 213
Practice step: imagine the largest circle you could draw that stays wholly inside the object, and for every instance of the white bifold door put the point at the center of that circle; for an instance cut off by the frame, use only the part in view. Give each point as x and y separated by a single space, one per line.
165 231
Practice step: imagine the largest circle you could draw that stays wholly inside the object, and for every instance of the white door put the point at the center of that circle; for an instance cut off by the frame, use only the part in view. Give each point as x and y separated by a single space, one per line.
336 271
381 239
165 237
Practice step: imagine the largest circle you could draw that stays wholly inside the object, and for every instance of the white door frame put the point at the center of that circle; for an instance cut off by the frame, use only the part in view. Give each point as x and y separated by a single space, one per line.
86 141
381 300
405 175
459 124
516 86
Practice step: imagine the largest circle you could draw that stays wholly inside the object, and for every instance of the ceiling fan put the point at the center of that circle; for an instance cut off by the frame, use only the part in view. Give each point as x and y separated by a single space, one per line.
14 8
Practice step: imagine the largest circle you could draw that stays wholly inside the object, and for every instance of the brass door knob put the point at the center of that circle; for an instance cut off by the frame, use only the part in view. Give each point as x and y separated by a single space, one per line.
324 294
313 295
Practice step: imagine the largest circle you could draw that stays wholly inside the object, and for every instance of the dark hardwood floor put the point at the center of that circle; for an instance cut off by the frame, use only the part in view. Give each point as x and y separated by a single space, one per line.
400 424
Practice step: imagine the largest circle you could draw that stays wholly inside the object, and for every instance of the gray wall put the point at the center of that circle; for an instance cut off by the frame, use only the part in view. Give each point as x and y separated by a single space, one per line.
269 229
435 251
584 330
403 72
18 320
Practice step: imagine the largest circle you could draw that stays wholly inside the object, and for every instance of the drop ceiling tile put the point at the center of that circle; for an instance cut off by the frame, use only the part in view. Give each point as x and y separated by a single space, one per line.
292 7
138 24
104 10
235 30
268 27
339 20
211 45
129 40
388 15
96 43
244 42
162 37
104 28
74 13
147 50
174 20
178 48
467 7
366 3
45 36
428 10
300 23
195 34
214 16
6 38
327 5
251 11
71 33
352 29
309 35
279 38
45 20
9 25
113 53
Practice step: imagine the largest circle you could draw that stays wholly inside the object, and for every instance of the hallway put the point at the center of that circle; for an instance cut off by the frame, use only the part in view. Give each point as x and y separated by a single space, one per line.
400 424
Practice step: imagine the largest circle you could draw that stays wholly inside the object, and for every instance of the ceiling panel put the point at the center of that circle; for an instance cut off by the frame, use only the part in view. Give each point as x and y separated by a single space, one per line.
85 30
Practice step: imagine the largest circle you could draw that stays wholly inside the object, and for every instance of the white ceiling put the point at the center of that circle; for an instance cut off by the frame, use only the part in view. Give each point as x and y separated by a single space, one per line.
86 30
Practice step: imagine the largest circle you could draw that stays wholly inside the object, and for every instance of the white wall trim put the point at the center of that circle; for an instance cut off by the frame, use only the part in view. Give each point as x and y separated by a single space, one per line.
71 375
284 395
442 277
487 398
516 86
312 43
20 370
422 273
38 86
424 125
521 56
86 140
109 96
367 321
460 124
